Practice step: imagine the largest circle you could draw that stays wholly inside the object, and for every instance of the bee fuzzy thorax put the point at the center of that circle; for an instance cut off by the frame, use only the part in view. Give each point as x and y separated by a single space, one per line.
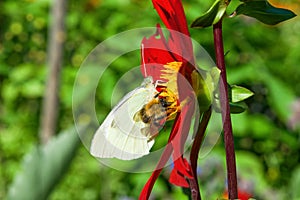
165 104
163 107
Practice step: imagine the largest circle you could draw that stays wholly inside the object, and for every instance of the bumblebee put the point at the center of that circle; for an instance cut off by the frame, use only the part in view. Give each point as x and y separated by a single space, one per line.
161 108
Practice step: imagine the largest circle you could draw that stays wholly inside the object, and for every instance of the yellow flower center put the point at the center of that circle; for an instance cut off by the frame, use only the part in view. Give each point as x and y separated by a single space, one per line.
170 92
170 73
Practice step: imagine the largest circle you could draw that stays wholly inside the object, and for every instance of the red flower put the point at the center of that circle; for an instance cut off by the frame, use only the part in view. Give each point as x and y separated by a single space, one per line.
158 53
242 195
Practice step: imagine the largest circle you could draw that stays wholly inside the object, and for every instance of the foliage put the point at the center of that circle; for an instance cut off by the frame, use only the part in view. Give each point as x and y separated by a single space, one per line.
212 16
263 59
264 12
44 166
261 10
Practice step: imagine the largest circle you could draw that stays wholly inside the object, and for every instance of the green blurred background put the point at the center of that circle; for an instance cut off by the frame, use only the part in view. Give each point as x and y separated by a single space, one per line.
263 58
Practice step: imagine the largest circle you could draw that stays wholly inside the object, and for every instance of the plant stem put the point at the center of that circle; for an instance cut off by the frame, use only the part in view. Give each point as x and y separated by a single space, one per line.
50 109
228 136
195 152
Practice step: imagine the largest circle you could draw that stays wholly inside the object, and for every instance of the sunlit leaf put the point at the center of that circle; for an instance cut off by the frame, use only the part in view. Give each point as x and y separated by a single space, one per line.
239 93
212 16
264 12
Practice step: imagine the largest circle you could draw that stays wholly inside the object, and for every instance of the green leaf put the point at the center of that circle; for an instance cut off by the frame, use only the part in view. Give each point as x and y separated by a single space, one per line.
264 12
294 183
212 16
43 167
236 95
239 93
236 108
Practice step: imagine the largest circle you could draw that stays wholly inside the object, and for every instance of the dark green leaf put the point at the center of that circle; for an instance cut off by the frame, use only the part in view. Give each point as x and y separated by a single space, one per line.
236 108
264 12
212 16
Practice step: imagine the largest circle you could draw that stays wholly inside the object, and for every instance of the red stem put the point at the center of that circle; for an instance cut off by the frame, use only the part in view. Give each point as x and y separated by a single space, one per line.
195 152
228 136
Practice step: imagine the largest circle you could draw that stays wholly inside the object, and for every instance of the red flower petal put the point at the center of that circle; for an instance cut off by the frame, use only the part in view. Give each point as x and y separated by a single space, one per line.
181 172
178 179
182 169
172 14
149 185
188 101
157 51
183 166
163 160
155 54
242 195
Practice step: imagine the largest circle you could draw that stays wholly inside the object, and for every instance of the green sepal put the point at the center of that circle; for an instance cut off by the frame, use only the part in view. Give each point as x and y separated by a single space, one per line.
212 16
205 84
238 93
263 11
236 97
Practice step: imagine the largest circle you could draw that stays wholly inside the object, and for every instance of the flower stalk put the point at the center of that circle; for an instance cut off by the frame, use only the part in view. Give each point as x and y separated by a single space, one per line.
194 186
225 109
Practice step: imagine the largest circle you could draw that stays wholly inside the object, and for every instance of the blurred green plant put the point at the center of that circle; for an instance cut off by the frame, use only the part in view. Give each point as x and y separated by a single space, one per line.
260 58
44 166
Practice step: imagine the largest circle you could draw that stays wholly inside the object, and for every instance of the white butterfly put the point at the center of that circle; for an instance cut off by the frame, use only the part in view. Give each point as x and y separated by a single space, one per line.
122 135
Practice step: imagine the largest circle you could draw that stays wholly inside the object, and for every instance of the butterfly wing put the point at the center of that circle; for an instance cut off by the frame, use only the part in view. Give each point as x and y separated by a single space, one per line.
119 136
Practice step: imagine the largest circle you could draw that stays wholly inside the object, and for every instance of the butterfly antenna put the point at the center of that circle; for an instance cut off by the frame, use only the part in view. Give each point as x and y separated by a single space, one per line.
143 58
159 82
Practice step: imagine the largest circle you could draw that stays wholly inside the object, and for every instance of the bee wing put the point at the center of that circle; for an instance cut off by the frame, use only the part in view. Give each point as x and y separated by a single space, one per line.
119 136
